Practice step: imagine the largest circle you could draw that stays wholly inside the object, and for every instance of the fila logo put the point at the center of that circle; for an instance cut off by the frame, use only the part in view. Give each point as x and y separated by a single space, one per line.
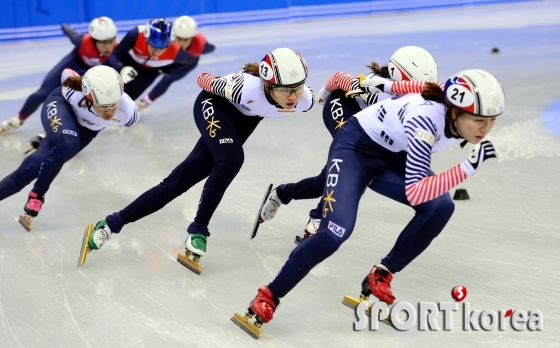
226 141
339 231
71 132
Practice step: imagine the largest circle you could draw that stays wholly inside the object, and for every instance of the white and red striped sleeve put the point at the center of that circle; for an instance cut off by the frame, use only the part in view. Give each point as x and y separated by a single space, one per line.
420 187
434 186
406 87
344 81
205 80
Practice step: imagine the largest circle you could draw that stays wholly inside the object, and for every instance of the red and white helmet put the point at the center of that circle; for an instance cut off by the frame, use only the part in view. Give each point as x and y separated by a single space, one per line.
184 27
283 67
476 92
411 63
102 28
102 85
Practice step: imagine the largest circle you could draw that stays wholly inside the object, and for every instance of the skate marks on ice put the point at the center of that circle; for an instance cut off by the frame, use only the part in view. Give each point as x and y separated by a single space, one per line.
85 249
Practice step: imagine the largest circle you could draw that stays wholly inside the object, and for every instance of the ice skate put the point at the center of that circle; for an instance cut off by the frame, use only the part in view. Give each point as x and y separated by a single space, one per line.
377 275
35 142
94 238
311 228
32 207
262 307
11 124
259 220
195 248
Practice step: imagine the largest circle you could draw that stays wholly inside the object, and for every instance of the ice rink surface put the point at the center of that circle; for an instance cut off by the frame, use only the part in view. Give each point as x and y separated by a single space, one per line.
503 244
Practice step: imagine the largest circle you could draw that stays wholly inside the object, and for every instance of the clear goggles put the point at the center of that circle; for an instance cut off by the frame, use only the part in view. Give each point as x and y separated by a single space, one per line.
107 107
287 91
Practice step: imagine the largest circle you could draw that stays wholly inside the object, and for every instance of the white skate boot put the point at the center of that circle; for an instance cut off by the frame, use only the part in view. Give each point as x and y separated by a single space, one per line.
11 124
271 206
310 229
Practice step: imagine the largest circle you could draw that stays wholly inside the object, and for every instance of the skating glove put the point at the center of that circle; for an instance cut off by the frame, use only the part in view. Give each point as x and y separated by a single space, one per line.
322 96
141 104
128 74
376 84
480 153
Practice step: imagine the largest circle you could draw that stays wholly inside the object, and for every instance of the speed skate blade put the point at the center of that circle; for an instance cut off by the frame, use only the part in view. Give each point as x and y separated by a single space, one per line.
258 219
352 302
190 264
85 247
26 222
244 323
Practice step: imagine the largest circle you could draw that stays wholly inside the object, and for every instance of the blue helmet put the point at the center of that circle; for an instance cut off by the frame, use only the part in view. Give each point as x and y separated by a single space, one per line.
158 33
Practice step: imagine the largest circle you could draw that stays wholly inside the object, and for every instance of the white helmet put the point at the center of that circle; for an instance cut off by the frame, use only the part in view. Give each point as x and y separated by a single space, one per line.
476 92
283 67
102 85
102 28
184 27
412 63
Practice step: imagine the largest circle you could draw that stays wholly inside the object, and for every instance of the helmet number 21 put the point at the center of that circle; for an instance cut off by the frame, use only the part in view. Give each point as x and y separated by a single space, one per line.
455 93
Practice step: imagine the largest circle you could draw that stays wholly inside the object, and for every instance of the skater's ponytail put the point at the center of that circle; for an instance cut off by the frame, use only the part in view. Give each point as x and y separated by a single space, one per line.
74 82
382 71
251 68
432 91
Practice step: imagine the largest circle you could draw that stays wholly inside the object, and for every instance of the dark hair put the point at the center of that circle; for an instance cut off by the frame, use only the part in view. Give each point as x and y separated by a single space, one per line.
434 92
75 83
382 71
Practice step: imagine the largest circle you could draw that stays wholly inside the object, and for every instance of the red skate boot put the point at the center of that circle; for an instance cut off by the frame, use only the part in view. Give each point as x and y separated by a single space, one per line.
34 203
379 281
262 307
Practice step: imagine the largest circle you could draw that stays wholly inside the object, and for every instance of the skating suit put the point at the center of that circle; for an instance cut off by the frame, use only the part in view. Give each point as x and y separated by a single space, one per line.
226 112
390 146
174 63
70 126
81 58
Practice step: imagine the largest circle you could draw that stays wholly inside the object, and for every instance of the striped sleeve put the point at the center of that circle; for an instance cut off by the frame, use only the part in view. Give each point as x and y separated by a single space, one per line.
134 119
419 186
205 80
406 87
342 81
224 87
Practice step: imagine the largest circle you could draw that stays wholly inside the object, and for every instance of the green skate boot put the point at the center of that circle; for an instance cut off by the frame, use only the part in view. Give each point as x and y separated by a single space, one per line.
195 246
94 238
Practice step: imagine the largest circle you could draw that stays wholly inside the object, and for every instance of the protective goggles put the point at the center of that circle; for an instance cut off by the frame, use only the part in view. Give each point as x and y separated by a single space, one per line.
107 107
287 91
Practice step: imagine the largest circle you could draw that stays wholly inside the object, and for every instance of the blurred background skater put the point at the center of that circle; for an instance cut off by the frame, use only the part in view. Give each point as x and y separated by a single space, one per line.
91 49
185 33
148 51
